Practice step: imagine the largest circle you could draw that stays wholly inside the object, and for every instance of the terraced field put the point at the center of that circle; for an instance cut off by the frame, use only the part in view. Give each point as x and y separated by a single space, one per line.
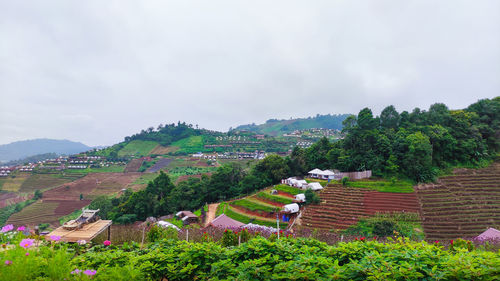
48 211
133 165
342 207
42 181
13 184
462 205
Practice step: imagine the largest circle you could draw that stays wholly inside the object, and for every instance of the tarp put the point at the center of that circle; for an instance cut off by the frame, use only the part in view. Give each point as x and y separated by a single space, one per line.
489 234
315 186
166 224
224 221
300 197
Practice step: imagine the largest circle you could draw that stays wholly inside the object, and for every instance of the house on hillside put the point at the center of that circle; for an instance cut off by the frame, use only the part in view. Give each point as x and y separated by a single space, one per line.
320 174
187 217
314 186
226 222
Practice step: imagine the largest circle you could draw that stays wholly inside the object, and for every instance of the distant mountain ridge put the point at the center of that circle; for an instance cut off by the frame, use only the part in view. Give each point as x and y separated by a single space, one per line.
23 149
279 127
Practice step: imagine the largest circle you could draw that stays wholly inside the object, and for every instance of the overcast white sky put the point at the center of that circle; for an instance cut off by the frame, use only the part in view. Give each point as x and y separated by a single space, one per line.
97 71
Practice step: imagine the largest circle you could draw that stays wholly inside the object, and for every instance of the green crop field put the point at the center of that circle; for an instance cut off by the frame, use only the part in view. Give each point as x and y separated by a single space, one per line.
137 148
13 184
42 181
145 178
244 218
254 206
189 145
275 198
288 189
33 213
399 186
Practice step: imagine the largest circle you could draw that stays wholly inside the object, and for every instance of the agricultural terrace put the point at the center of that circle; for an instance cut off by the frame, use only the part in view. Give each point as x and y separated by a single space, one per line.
13 183
342 207
133 166
260 208
461 205
45 212
137 148
42 181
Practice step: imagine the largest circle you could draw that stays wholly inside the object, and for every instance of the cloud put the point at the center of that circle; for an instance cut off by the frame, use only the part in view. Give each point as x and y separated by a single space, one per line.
97 71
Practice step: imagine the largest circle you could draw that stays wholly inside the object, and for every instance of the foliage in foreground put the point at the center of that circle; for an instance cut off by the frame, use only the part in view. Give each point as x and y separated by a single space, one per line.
259 258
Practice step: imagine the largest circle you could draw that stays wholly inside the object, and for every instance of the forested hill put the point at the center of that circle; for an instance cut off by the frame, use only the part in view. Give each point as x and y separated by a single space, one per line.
22 149
277 127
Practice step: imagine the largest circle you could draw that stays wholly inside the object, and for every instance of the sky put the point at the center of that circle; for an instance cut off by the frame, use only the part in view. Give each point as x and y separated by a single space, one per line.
97 71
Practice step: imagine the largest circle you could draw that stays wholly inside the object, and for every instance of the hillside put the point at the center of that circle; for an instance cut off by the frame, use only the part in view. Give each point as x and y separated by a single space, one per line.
22 149
277 127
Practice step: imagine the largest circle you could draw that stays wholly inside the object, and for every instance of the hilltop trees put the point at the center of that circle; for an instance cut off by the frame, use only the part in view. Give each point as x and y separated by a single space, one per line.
414 144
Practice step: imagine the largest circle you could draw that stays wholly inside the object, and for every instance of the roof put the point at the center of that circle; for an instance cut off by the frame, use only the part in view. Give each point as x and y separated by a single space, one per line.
292 208
188 214
315 171
167 224
315 186
224 221
489 234
327 173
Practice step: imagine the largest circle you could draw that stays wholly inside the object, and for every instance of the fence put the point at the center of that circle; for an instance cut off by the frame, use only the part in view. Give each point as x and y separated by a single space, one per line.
354 175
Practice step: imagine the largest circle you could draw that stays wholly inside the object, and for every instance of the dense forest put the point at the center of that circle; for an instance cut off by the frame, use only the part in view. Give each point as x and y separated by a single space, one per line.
166 134
416 145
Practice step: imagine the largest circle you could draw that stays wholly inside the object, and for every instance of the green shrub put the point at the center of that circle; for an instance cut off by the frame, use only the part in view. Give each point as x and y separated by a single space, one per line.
311 197
345 180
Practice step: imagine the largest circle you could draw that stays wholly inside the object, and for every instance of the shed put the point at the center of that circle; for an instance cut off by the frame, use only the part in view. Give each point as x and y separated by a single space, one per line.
315 186
166 224
489 234
300 197
291 208
187 217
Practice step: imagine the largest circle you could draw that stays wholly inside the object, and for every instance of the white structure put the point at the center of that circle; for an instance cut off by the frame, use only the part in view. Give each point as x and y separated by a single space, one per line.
166 224
314 186
300 197
291 208
324 175
295 182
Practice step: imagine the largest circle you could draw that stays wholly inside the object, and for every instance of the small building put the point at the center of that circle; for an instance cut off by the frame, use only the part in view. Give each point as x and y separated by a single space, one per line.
187 217
293 181
324 175
300 198
226 222
291 208
314 186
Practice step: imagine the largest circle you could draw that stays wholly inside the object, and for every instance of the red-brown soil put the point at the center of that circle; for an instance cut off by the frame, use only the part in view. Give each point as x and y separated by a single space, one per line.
133 165
9 198
342 207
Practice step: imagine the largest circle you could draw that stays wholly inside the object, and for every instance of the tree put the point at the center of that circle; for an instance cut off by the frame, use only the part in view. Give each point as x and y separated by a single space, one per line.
273 168
418 159
389 118
311 197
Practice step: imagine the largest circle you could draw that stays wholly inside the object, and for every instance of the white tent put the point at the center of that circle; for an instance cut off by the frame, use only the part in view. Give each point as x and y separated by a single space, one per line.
291 208
315 186
166 224
300 197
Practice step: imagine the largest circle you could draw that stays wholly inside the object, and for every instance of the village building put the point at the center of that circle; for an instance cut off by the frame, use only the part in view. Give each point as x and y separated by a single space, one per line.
226 222
319 174
293 181
187 217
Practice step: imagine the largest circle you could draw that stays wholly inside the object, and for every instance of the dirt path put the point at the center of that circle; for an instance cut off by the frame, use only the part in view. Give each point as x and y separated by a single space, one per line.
212 209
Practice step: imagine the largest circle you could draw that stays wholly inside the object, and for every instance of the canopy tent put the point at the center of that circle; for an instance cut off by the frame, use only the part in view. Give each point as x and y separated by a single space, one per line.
291 208
300 197
314 186
166 224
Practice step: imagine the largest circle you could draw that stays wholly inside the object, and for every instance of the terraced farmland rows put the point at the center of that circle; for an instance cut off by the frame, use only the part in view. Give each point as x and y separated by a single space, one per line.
48 211
342 207
461 205
133 165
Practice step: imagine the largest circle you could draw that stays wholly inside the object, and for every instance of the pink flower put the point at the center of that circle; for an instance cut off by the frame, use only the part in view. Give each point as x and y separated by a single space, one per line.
436 241
55 238
8 262
76 271
27 254
107 243
89 272
21 228
8 227
26 243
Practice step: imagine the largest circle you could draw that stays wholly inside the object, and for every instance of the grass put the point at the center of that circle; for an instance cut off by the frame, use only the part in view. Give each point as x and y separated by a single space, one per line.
145 178
247 219
189 145
288 189
71 216
406 224
322 182
399 186
275 198
254 206
137 148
